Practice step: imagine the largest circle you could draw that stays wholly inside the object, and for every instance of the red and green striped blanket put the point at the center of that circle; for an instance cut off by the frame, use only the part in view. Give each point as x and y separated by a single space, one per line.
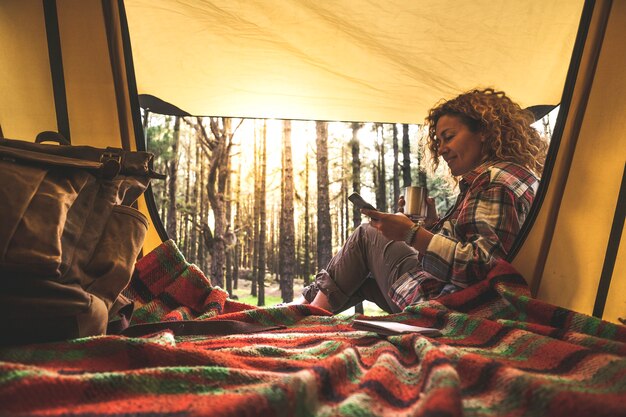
502 353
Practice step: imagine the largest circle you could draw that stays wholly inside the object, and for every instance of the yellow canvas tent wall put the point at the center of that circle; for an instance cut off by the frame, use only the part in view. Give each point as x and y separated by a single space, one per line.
76 66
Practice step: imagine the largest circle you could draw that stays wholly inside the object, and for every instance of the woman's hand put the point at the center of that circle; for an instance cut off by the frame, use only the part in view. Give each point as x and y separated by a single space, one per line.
401 204
431 211
392 226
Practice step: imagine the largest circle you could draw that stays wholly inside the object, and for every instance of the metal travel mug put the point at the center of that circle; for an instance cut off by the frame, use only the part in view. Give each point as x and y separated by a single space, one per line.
415 201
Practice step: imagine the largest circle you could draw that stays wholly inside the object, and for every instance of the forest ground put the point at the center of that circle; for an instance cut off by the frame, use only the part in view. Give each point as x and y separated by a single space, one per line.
272 295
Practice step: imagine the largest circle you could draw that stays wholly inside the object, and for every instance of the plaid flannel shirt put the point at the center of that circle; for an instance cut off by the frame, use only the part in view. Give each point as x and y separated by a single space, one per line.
481 227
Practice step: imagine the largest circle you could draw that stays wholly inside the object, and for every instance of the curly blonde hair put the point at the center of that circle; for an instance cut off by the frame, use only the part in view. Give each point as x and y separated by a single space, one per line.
507 128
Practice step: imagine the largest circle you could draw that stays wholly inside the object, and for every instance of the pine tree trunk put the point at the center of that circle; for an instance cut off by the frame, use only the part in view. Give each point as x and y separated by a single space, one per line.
195 212
313 243
356 187
250 233
324 229
287 224
171 184
184 235
396 169
146 118
228 248
356 172
236 230
421 172
228 275
256 215
381 188
204 201
272 252
269 246
217 178
249 253
406 156
236 264
262 218
345 208
307 232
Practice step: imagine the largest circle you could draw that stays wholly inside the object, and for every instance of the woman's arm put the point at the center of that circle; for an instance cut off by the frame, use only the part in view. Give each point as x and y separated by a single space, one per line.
397 226
484 231
463 252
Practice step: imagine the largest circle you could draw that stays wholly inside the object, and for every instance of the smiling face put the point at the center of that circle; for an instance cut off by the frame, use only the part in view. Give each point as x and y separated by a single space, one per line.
461 148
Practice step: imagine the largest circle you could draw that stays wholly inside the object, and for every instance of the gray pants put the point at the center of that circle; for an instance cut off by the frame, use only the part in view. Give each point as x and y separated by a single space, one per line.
365 268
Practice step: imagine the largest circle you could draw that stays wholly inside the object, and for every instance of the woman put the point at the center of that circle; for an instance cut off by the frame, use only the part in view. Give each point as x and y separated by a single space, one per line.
490 146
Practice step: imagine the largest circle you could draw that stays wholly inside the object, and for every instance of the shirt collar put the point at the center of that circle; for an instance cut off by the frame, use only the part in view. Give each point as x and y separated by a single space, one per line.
469 178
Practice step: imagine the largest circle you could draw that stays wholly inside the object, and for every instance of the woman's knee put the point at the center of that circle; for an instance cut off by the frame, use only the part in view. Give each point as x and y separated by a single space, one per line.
366 234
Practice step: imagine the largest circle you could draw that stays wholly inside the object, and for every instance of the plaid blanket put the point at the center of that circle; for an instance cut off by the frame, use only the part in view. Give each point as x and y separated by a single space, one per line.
502 353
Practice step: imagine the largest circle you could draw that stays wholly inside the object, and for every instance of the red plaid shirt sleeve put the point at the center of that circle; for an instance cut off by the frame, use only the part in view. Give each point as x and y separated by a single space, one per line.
479 230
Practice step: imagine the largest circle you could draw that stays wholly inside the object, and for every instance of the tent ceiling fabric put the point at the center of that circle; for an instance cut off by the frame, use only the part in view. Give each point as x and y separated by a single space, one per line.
386 61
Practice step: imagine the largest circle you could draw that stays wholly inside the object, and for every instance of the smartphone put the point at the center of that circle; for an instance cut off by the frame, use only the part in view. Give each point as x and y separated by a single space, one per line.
359 202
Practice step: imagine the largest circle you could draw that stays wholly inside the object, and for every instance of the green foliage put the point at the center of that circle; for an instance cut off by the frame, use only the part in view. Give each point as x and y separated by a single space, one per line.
245 297
160 138
442 191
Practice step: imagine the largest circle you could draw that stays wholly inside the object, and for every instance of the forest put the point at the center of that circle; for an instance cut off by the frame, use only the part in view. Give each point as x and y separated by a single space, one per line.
267 199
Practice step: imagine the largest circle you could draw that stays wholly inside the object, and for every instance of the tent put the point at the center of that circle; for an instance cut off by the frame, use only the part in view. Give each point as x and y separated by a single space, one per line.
78 66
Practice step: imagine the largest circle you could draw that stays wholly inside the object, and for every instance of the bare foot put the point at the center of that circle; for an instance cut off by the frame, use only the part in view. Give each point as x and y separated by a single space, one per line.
300 300
321 301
